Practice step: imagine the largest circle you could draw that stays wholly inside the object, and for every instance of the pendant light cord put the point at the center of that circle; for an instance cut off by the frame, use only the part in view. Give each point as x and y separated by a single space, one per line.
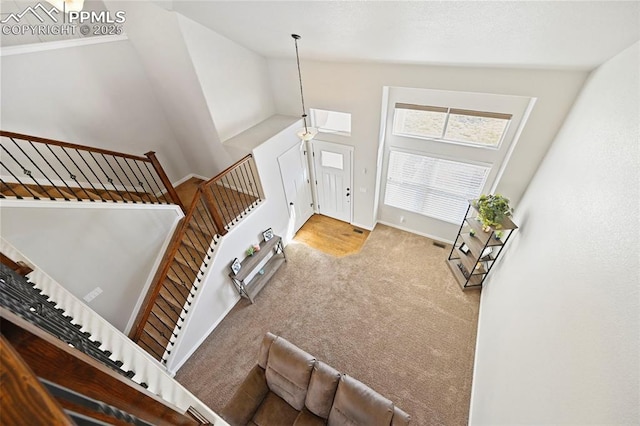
304 112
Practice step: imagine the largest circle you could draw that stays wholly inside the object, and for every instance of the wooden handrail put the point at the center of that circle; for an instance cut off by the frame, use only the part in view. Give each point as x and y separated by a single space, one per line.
19 267
24 399
71 145
54 360
149 158
151 155
227 170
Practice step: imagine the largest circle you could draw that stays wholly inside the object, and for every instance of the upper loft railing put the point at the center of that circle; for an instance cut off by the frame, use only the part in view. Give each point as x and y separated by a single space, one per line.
46 306
218 205
37 168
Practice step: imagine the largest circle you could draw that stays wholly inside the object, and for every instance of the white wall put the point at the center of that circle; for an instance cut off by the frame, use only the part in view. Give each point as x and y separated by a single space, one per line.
218 295
95 95
157 38
357 89
86 245
234 80
558 335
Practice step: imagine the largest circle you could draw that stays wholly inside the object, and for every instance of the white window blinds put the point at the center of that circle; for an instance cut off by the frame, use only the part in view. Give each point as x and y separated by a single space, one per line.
432 186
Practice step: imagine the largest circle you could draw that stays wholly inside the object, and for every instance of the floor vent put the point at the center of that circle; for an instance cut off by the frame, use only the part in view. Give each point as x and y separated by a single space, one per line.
439 244
358 231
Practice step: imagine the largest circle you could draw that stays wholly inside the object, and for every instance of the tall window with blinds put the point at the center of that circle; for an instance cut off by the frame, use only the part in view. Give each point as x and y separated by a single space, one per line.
432 186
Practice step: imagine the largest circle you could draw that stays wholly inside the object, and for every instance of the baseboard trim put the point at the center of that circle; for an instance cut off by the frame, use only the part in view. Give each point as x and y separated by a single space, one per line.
368 228
413 231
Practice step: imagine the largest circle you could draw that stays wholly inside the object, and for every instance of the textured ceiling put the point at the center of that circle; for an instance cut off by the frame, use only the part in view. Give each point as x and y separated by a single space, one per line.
542 34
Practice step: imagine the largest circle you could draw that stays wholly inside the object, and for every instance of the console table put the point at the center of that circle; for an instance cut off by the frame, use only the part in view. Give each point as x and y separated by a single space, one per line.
249 281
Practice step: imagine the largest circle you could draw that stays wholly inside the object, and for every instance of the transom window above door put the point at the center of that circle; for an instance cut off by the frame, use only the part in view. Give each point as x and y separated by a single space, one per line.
454 125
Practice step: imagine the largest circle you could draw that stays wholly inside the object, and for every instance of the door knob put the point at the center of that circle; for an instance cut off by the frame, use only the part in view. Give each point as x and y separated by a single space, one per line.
291 203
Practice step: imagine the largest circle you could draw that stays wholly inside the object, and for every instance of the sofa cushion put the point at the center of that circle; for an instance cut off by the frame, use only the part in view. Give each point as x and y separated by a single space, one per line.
288 372
275 411
307 418
322 389
244 403
357 404
263 355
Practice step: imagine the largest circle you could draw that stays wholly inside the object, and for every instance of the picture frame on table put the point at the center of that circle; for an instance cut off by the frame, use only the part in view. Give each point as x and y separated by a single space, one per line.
464 249
268 234
236 266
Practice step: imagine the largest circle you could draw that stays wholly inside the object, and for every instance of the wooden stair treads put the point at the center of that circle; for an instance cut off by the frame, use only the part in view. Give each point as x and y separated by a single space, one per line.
172 298
13 190
167 308
196 240
16 190
148 343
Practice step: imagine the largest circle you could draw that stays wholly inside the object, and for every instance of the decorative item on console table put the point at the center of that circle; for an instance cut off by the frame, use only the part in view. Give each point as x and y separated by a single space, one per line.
255 272
235 266
474 252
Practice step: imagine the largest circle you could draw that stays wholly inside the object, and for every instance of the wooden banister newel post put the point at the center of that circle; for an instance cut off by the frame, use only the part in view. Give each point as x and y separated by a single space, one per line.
211 206
171 191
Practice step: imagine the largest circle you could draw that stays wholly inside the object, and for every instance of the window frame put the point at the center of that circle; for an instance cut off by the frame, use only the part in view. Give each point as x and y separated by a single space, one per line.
448 111
326 130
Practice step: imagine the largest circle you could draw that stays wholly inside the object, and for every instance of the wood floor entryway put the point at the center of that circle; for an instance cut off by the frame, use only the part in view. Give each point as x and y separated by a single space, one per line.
332 236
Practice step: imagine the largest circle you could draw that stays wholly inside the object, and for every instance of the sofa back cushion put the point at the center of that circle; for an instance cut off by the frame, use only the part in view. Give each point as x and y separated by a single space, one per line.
263 354
357 404
322 389
288 372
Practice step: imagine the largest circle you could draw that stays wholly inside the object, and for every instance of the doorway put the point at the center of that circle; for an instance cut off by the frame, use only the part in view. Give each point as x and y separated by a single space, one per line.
295 180
333 165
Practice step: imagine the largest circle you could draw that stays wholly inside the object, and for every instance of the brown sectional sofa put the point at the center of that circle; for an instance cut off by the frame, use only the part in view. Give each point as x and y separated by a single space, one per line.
290 387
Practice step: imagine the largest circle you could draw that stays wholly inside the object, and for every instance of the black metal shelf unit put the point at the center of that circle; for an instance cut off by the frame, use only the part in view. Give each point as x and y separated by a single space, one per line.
475 251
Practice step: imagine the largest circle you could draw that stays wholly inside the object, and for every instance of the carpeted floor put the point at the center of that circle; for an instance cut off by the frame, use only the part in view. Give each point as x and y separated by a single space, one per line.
391 316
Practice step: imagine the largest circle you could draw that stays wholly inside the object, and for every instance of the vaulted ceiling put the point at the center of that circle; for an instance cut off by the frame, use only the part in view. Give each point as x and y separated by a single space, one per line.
538 34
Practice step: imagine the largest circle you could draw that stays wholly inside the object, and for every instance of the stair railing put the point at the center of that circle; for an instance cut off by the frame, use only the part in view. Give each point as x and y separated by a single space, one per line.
37 168
218 205
47 305
232 194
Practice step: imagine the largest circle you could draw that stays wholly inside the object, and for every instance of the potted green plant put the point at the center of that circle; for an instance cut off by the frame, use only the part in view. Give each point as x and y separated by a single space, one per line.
492 209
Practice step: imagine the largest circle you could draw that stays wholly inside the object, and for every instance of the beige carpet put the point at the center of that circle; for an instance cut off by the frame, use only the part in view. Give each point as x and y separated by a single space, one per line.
391 316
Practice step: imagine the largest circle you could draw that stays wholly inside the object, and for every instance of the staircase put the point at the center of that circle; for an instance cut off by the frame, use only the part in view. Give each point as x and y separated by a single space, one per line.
34 168
217 205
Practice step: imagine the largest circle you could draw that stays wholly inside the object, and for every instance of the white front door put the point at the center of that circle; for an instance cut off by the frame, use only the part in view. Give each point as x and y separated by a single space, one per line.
297 187
332 165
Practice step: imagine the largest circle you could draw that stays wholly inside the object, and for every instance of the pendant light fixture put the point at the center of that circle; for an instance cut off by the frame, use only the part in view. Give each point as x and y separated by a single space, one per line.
307 133
67 6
